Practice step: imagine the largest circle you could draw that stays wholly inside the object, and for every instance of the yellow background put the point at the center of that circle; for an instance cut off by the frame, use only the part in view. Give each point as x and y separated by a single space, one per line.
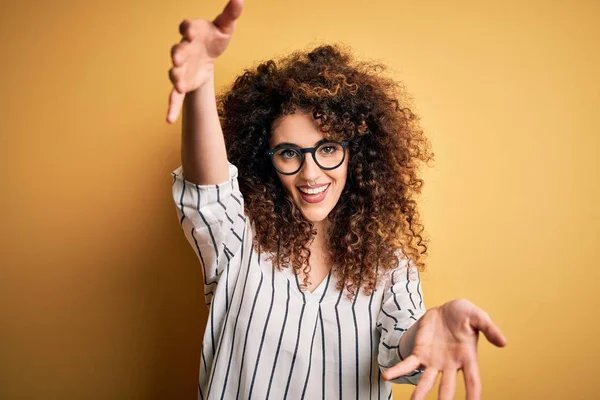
101 295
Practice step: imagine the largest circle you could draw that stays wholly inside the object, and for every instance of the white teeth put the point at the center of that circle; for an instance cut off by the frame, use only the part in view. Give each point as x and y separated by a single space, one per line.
314 191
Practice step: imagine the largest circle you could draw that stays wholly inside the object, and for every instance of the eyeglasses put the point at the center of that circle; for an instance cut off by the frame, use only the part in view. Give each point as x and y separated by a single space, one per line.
289 159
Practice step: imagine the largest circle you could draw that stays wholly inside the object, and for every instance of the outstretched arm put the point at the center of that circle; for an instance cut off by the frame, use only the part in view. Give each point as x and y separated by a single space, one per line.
210 206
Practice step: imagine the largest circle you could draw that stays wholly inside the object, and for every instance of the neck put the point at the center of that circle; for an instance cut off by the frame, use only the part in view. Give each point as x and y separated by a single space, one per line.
320 240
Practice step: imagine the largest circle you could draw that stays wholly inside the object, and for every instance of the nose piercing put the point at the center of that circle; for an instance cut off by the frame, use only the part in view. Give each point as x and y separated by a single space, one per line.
314 183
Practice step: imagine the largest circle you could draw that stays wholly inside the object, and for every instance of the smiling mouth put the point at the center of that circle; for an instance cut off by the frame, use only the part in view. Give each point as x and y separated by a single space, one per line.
313 190
313 195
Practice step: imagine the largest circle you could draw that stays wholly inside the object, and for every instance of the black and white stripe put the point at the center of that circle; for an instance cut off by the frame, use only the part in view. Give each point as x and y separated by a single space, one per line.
266 336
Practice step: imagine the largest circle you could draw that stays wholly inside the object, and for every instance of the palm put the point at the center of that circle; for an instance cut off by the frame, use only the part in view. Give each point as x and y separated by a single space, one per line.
208 43
216 40
446 341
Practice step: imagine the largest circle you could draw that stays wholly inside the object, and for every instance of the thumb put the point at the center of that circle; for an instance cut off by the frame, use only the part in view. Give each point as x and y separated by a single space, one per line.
482 321
175 105
226 20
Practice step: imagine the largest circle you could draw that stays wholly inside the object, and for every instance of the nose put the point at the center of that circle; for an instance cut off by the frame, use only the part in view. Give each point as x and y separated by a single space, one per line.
310 170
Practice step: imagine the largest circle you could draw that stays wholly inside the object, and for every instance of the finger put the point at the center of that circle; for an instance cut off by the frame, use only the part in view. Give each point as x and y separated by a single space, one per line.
447 387
494 335
409 364
482 321
426 382
175 104
183 26
186 29
472 380
175 74
226 20
179 53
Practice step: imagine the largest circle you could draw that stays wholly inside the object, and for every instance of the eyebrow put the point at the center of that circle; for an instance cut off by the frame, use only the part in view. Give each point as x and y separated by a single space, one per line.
295 145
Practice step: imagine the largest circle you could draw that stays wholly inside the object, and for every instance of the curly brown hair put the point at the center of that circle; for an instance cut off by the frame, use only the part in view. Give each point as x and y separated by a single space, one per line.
376 218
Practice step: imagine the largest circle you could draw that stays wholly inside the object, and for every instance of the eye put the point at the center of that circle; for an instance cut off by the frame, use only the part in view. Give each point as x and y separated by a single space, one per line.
329 149
287 154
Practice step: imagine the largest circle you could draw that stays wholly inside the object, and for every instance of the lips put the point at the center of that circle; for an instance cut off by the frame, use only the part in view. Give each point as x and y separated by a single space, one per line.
313 194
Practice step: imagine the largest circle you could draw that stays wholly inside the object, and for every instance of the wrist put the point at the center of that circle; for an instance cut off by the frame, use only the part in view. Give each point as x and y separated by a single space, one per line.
407 341
207 86
202 96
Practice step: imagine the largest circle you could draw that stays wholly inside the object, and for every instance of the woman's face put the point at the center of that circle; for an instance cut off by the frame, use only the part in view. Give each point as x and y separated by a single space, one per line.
301 129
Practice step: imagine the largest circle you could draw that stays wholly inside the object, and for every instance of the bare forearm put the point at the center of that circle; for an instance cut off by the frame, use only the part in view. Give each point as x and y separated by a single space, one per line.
203 153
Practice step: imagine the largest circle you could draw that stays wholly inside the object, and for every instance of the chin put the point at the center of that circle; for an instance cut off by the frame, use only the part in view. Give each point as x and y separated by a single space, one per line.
314 215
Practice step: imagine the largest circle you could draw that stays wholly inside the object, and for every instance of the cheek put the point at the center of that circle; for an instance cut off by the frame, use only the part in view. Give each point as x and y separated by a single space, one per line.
342 183
342 175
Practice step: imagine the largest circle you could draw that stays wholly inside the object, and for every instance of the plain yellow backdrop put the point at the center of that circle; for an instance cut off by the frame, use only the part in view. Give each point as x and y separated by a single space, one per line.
101 295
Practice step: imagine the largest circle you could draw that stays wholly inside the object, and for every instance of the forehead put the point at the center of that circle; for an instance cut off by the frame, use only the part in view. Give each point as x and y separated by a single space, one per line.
299 128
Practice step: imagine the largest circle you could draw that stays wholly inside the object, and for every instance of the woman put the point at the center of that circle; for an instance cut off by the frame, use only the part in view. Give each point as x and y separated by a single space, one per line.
296 192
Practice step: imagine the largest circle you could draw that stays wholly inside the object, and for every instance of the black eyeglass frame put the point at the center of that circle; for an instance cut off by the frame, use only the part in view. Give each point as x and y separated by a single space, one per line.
302 151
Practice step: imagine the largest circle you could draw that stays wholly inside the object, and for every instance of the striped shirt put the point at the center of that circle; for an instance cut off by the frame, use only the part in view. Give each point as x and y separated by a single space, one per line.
266 338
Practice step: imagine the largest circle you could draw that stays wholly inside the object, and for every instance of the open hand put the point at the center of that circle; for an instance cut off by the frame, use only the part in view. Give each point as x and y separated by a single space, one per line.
194 56
446 341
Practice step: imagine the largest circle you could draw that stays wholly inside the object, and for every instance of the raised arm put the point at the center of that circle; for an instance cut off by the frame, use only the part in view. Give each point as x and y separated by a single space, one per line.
209 204
203 153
